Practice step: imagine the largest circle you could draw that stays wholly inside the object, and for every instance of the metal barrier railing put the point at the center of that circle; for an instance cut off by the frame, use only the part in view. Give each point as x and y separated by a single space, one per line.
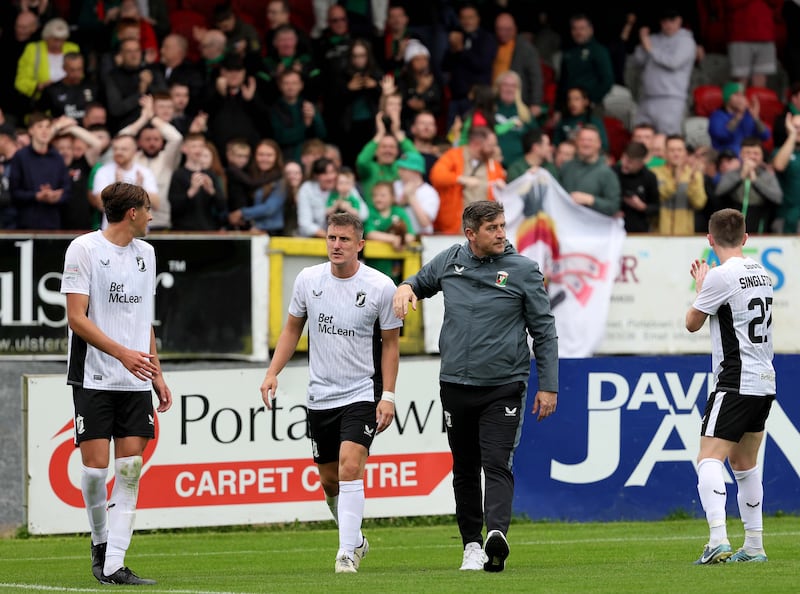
310 250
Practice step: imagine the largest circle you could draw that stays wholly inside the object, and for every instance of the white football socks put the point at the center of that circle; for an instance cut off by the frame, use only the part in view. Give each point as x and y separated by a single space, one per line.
750 499
713 495
122 511
351 512
93 487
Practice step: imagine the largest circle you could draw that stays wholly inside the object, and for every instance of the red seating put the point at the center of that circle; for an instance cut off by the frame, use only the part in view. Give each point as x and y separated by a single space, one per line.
618 136
203 7
301 14
769 102
183 23
711 23
548 73
549 95
62 8
173 5
769 143
253 12
706 98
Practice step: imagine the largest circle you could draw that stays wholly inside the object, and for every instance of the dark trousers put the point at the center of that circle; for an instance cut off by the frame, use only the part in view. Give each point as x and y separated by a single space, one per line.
483 428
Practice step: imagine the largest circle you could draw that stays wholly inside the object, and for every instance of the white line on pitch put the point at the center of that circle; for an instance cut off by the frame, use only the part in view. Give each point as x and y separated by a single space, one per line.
41 587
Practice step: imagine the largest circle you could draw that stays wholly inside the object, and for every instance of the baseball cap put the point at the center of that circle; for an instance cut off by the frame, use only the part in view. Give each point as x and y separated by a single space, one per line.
413 161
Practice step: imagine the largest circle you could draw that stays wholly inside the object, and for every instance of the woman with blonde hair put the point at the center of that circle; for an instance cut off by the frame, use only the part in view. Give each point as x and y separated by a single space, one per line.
513 118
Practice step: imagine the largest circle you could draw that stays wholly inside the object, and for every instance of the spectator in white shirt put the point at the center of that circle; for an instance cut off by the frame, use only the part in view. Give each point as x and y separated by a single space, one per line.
412 192
159 151
124 168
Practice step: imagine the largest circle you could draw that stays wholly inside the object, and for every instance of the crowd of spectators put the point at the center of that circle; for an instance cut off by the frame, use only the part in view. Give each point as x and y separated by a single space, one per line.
268 116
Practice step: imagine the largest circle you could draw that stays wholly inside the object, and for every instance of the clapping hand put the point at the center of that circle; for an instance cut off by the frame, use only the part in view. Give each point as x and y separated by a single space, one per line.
388 86
145 80
249 89
308 113
146 103
699 271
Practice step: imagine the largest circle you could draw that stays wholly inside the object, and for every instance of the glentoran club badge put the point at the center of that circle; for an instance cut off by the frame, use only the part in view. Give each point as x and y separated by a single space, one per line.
502 278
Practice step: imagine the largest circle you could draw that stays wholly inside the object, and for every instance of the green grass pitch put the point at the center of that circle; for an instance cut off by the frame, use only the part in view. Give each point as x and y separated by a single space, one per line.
548 557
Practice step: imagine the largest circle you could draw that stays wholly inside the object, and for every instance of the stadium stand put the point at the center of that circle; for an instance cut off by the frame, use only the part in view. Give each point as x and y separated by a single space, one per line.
705 99
618 135
695 129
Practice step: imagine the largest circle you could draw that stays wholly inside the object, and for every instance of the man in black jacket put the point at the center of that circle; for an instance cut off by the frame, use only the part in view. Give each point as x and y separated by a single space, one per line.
71 94
639 185
127 82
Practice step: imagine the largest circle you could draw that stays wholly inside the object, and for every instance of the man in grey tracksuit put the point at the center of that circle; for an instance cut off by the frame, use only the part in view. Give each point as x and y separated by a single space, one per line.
493 298
667 60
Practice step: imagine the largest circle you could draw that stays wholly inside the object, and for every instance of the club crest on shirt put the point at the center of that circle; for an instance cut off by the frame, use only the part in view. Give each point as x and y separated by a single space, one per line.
140 264
502 278
361 299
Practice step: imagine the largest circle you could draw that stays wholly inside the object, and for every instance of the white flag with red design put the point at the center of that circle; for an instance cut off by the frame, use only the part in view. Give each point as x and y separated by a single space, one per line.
578 250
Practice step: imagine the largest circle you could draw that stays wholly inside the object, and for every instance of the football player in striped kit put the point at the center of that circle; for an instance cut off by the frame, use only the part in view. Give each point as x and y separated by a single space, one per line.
109 280
737 297
354 354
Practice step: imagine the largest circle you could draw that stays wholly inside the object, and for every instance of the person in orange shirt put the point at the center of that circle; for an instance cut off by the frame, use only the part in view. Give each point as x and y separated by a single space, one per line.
465 174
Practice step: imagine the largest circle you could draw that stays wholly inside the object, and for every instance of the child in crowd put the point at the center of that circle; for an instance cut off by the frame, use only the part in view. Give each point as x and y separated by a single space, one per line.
345 197
163 107
196 192
388 223
292 177
180 93
237 157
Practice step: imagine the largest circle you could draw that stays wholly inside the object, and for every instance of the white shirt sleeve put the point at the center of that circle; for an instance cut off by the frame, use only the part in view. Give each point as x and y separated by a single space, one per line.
716 291
77 275
297 306
388 320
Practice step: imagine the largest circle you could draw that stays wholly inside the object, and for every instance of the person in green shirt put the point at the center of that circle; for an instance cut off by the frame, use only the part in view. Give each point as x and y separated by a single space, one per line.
377 161
786 161
580 113
538 152
649 137
511 111
345 197
388 223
